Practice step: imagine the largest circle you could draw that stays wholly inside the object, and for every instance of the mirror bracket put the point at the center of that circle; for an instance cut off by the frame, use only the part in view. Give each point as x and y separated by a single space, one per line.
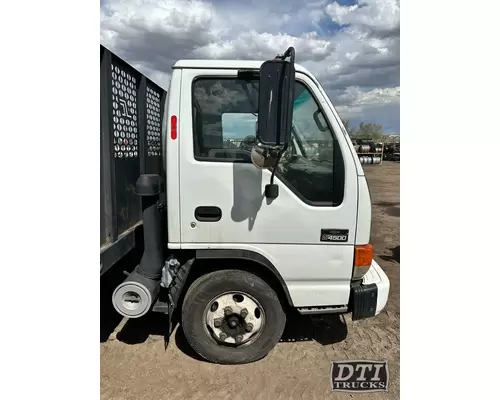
271 190
247 74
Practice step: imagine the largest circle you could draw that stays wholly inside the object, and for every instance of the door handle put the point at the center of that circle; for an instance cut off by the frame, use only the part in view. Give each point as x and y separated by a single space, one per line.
208 213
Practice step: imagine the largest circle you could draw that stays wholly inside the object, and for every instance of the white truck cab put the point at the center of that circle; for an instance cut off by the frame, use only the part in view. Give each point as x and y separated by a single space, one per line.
265 208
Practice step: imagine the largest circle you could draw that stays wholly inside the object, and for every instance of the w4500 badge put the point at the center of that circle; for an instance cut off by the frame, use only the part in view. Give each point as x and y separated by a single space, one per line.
334 235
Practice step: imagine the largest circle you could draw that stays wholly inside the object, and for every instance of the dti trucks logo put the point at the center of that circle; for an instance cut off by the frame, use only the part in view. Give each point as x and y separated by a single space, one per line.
360 376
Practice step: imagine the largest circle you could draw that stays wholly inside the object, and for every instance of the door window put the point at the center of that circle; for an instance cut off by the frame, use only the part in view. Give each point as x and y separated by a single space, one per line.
224 117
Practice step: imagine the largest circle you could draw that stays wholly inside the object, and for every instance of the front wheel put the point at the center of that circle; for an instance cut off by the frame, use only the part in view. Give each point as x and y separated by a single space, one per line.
232 317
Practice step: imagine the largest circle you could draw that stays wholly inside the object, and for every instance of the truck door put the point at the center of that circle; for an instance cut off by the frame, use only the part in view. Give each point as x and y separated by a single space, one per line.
308 232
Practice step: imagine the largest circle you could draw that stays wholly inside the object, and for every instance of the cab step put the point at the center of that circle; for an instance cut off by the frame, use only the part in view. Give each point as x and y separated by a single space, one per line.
322 310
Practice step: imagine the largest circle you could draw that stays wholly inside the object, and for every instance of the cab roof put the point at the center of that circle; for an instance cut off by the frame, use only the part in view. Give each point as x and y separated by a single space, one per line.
227 64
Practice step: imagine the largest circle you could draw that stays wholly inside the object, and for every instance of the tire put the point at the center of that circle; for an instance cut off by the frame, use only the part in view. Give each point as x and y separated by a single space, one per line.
201 295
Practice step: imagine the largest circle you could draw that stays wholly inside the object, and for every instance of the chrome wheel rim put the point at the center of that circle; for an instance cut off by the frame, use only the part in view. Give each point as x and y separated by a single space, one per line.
234 319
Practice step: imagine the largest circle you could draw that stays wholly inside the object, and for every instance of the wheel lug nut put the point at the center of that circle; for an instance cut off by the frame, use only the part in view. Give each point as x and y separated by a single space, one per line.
238 339
228 311
249 327
217 322
244 313
222 336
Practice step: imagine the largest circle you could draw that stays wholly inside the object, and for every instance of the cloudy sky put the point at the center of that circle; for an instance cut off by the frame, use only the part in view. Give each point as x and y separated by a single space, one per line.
352 47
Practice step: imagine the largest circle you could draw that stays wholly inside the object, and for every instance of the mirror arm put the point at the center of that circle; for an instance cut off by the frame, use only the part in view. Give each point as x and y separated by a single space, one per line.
278 158
290 52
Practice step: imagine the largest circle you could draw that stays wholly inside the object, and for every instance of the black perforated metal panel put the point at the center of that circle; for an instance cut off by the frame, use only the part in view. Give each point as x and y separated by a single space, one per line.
153 120
124 97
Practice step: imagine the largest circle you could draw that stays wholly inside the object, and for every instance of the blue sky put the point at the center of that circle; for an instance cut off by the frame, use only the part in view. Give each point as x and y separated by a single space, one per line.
352 47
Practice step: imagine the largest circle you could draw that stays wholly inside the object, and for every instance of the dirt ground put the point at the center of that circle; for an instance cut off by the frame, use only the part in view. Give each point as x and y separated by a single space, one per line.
136 364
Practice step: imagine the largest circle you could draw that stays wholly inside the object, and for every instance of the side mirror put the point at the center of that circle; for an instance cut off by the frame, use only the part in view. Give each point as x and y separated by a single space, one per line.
274 121
276 93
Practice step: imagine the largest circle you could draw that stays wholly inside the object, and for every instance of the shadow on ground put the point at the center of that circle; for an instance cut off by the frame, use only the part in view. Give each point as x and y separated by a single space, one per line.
390 208
394 256
136 331
327 329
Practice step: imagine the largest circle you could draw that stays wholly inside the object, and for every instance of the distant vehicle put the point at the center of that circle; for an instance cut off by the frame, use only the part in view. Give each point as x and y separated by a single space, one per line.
395 157
391 153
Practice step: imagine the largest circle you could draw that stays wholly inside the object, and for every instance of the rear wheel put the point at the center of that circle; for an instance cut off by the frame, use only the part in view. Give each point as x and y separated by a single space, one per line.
232 317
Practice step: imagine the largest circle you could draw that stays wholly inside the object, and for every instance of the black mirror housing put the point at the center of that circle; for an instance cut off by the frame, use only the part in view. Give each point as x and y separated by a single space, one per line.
276 93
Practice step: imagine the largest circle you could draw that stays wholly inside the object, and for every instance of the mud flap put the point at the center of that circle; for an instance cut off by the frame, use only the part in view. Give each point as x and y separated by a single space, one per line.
168 300
363 302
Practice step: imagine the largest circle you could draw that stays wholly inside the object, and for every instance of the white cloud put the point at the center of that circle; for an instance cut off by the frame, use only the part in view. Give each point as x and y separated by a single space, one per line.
355 96
353 102
156 33
375 16
358 65
254 45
